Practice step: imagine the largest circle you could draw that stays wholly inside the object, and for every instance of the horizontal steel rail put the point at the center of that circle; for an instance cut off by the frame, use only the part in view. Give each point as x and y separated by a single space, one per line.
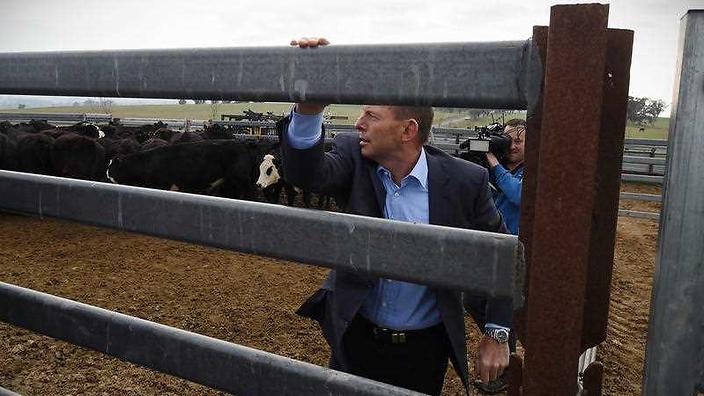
215 363
490 75
641 197
646 142
66 117
639 214
642 178
643 160
473 261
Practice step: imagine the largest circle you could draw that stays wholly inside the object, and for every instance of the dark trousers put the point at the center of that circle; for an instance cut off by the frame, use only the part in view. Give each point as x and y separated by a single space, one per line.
476 308
415 360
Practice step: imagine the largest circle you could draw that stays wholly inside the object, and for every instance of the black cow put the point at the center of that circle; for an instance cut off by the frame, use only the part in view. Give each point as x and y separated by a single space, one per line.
33 153
119 147
78 157
215 167
185 137
271 182
8 153
154 143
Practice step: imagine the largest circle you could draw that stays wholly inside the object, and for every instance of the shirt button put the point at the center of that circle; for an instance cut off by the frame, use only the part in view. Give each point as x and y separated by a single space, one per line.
388 281
396 194
383 304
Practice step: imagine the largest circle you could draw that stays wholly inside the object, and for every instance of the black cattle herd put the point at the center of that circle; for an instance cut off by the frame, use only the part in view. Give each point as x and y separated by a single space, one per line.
211 161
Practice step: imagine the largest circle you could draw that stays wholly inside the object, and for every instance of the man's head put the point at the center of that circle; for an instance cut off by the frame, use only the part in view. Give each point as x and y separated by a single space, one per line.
387 132
516 128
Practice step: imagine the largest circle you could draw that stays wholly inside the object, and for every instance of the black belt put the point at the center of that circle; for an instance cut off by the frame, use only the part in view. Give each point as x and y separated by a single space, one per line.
392 336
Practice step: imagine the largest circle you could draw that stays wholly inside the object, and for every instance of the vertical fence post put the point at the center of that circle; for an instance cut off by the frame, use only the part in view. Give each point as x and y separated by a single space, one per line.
564 202
528 191
608 181
674 360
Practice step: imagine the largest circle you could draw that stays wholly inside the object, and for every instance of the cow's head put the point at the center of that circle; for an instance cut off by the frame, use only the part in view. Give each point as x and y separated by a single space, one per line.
268 172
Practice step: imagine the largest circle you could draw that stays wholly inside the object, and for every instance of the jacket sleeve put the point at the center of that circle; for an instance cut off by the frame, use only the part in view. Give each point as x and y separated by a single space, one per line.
313 169
499 311
509 183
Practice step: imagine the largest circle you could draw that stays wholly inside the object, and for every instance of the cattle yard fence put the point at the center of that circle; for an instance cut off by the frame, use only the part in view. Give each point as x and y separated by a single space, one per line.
643 159
547 75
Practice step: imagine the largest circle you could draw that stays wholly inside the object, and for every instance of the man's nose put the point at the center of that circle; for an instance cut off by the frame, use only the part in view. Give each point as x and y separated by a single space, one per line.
358 124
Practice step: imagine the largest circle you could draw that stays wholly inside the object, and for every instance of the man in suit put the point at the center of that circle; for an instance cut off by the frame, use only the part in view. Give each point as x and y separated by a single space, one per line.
387 330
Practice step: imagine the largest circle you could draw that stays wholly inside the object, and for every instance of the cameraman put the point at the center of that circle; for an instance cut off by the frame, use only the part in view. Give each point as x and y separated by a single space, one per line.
507 178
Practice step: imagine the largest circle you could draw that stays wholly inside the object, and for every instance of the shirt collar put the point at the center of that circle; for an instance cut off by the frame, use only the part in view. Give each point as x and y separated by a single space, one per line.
419 171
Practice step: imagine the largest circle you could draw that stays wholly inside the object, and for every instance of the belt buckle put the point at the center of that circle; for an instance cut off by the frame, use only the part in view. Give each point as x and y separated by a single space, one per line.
398 338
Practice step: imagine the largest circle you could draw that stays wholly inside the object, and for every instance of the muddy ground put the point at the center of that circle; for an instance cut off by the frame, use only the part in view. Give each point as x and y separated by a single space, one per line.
241 298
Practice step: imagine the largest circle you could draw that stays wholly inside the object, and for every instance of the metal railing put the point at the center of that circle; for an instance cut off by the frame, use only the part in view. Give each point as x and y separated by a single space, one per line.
500 75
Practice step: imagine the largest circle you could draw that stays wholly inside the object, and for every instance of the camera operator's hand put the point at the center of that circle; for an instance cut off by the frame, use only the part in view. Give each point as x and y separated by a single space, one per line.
491 158
310 42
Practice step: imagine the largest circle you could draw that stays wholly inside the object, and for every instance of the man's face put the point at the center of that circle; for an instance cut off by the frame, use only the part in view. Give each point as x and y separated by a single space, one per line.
379 132
518 143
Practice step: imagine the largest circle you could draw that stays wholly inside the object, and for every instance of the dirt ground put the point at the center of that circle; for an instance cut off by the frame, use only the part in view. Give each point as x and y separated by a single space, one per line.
236 297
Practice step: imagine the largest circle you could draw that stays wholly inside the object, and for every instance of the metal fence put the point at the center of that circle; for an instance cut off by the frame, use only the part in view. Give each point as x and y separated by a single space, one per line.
479 75
447 75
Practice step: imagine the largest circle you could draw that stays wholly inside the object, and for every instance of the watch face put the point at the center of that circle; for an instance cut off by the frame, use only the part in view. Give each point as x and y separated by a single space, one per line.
500 335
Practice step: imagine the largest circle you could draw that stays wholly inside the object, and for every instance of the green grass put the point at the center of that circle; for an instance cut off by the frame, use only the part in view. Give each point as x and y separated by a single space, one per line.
658 130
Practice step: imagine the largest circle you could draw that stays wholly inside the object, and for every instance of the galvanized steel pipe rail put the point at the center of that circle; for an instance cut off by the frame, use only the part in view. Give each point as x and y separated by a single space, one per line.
215 363
478 262
489 75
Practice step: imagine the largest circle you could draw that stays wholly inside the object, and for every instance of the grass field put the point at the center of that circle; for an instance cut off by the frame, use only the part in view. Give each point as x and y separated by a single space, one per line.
658 130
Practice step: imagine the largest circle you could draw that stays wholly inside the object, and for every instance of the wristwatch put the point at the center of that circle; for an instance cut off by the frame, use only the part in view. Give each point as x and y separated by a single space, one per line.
498 334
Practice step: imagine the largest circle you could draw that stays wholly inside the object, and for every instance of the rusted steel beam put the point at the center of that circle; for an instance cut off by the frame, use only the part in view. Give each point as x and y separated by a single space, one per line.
528 191
530 179
564 202
515 375
608 180
592 379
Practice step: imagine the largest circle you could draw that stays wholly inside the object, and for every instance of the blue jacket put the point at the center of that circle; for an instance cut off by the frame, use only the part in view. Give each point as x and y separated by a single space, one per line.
507 197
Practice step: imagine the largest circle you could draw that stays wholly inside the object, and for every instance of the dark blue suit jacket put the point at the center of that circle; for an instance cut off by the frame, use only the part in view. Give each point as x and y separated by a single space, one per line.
459 196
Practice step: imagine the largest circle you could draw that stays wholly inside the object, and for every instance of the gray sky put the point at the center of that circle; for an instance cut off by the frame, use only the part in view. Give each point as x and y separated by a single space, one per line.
39 25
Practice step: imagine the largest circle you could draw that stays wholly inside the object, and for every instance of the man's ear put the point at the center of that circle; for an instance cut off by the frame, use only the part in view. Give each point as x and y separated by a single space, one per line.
410 130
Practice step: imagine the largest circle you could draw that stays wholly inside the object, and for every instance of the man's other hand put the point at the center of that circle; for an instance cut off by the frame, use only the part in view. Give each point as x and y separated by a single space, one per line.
310 42
492 359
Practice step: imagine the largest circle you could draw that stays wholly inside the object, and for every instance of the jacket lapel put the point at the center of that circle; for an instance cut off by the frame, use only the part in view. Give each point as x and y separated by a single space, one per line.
438 194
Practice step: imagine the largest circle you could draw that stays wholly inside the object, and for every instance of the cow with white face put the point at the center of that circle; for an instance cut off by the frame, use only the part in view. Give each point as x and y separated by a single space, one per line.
268 172
270 181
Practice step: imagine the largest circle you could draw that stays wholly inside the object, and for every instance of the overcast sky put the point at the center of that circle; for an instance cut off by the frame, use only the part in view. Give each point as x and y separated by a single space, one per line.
38 25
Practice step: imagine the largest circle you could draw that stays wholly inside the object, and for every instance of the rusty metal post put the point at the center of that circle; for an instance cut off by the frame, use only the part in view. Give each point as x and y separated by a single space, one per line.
528 191
564 202
608 181
515 375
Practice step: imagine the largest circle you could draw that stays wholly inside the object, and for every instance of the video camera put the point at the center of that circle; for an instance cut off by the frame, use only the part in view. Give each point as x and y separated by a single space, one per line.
489 139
